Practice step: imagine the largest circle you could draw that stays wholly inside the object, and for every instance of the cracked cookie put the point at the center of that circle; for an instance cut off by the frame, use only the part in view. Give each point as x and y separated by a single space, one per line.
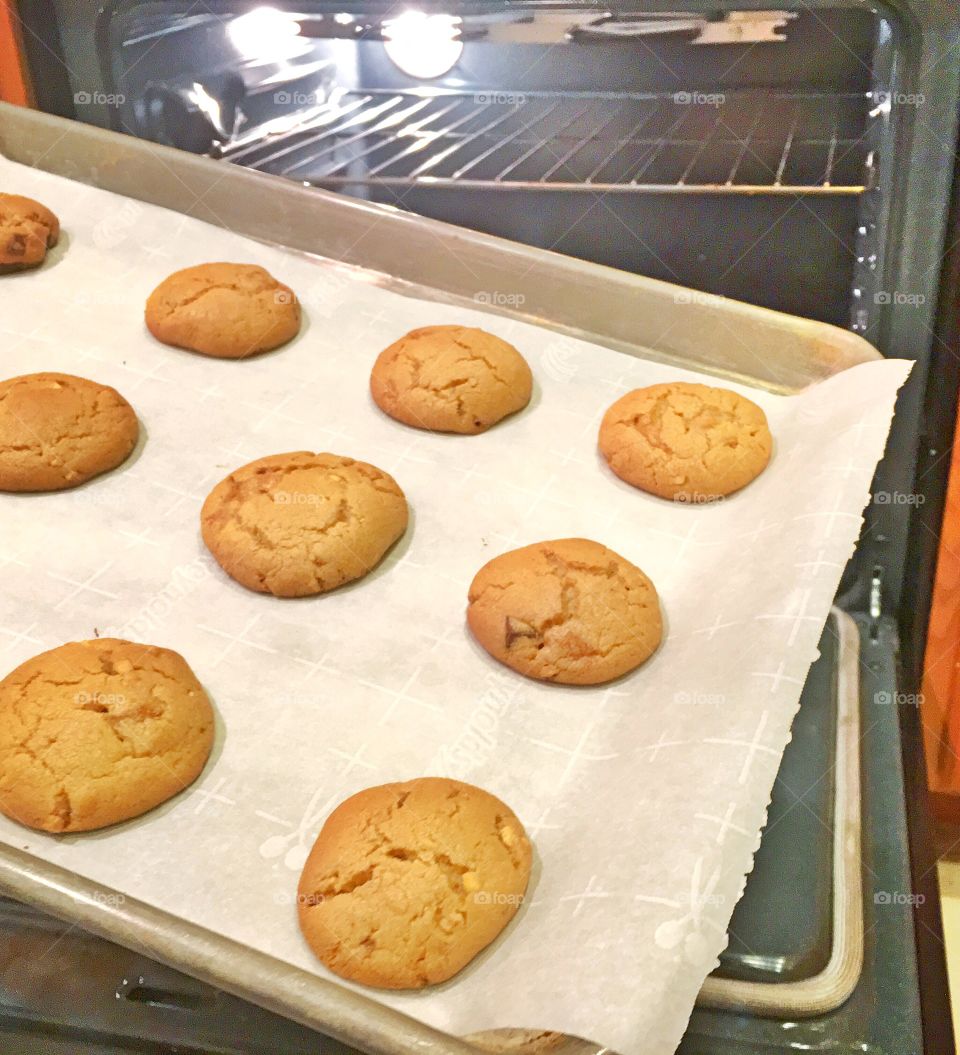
300 524
688 442
96 732
569 611
450 379
228 311
57 431
27 230
408 882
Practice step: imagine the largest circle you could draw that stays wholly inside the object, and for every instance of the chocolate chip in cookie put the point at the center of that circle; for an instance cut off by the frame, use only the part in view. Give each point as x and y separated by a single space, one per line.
27 230
569 611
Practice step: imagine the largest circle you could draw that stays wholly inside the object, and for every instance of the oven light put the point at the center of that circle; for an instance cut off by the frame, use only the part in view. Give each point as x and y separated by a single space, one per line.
266 33
421 45
206 103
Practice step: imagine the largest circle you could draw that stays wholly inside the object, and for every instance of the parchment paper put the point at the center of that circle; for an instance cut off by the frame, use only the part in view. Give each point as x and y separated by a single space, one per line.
644 799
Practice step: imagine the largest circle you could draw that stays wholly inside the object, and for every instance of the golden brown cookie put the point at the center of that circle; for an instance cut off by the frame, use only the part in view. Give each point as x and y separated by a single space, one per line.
57 431
228 311
684 441
450 379
27 230
96 732
406 883
301 523
569 611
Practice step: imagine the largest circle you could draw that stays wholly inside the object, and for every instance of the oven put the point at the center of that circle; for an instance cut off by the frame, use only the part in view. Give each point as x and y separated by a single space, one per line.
797 158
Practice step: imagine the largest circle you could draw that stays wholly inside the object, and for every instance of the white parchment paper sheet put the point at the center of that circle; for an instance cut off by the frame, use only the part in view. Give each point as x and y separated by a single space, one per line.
644 799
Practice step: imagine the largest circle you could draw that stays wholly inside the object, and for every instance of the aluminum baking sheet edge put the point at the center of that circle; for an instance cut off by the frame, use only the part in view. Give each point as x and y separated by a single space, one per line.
411 254
352 1024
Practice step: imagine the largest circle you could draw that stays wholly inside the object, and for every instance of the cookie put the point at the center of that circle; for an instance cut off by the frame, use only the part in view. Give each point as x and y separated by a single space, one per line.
301 523
569 611
688 442
451 379
96 732
57 431
408 882
228 311
27 230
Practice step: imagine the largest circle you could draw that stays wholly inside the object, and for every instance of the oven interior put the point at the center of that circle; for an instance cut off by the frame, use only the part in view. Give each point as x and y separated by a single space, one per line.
749 154
755 137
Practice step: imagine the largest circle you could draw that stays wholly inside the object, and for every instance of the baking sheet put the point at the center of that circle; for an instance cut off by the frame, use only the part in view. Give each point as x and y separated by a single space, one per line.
644 799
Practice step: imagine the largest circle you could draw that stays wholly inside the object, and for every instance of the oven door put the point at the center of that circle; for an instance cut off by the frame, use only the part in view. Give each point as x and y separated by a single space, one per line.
786 158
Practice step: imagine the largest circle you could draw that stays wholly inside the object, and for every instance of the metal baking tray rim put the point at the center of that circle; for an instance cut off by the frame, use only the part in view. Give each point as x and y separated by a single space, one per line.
570 296
364 1022
640 316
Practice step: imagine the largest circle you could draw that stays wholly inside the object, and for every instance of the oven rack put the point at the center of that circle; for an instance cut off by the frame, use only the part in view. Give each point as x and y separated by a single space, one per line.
747 141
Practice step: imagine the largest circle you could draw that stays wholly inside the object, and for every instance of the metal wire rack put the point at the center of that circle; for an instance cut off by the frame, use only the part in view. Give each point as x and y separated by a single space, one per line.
748 141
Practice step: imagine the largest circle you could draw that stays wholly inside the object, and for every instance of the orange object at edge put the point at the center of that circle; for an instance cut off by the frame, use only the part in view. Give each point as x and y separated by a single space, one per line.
940 699
14 86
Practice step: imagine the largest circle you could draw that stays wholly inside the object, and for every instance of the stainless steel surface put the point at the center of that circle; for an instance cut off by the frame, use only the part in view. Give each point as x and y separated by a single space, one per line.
763 347
687 141
277 986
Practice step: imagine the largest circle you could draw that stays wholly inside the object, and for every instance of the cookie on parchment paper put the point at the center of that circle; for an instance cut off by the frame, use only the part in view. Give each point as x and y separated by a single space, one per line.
228 311
27 230
408 882
301 523
451 379
569 611
688 442
96 732
57 431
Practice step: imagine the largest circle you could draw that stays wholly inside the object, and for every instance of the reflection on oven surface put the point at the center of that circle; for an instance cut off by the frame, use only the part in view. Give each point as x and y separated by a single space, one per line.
699 150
